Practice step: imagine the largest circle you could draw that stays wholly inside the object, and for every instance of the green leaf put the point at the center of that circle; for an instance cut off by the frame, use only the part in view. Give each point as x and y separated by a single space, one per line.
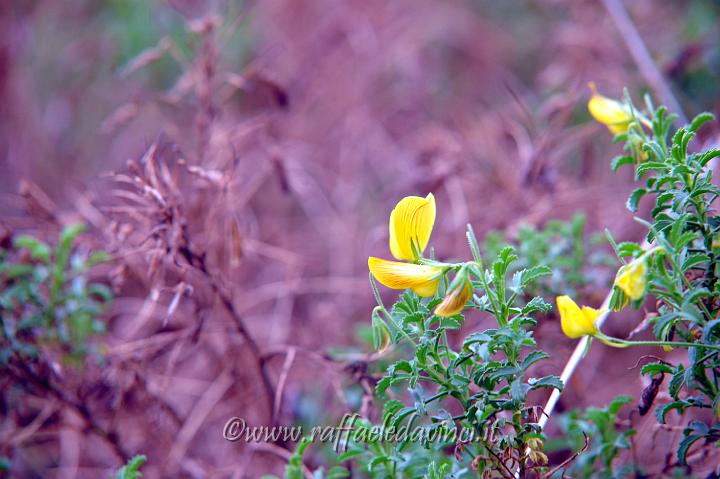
532 358
97 258
531 274
546 382
38 250
677 381
383 385
632 202
700 120
649 166
68 234
351 454
684 445
694 260
651 369
708 331
536 304
618 402
621 160
662 411
337 472
628 249
132 469
519 390
705 158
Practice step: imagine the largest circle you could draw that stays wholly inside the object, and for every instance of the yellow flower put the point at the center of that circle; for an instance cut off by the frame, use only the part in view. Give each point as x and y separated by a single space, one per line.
609 112
422 279
632 279
411 223
576 322
455 301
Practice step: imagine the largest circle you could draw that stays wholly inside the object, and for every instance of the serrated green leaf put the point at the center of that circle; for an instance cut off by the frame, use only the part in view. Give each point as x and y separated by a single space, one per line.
651 369
132 469
546 382
621 160
632 202
700 120
38 250
684 445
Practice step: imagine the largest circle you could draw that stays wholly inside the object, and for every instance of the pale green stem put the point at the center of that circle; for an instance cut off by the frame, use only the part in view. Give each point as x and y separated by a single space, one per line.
387 314
622 343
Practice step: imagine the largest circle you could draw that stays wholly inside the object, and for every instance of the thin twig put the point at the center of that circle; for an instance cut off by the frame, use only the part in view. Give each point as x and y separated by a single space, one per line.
569 459
197 416
642 57
287 364
82 410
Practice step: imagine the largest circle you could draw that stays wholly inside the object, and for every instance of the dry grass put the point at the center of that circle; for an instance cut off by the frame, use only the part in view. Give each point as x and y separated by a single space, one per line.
240 228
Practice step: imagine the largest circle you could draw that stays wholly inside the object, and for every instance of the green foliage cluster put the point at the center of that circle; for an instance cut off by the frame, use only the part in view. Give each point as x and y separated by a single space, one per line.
597 434
46 299
471 401
682 275
563 246
131 470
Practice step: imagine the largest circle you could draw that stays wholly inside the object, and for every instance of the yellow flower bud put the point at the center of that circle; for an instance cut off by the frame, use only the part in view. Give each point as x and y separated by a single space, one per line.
455 301
632 279
380 332
609 112
577 322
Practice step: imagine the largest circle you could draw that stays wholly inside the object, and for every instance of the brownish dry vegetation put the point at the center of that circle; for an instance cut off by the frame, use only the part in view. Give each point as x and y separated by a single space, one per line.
237 160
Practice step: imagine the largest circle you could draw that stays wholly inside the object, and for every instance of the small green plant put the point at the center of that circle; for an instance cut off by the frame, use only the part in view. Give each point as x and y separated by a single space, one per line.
131 470
484 382
560 245
599 435
46 299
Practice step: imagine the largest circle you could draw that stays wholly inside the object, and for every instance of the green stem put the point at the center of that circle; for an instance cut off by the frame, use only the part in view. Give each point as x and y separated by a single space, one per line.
689 286
387 314
439 264
436 396
622 343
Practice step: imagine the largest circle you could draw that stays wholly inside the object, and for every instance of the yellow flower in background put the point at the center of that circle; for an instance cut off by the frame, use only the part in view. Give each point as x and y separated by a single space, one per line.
411 223
632 279
611 113
455 301
422 279
577 322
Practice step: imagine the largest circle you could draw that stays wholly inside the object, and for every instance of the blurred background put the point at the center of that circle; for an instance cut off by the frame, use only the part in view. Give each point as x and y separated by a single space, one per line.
238 161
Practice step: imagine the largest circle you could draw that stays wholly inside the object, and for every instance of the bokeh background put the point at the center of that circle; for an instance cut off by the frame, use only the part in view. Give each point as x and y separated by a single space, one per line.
238 160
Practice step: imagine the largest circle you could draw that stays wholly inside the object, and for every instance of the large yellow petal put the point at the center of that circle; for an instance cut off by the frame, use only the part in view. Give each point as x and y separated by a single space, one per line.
455 301
576 322
396 275
632 279
411 224
427 289
609 112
